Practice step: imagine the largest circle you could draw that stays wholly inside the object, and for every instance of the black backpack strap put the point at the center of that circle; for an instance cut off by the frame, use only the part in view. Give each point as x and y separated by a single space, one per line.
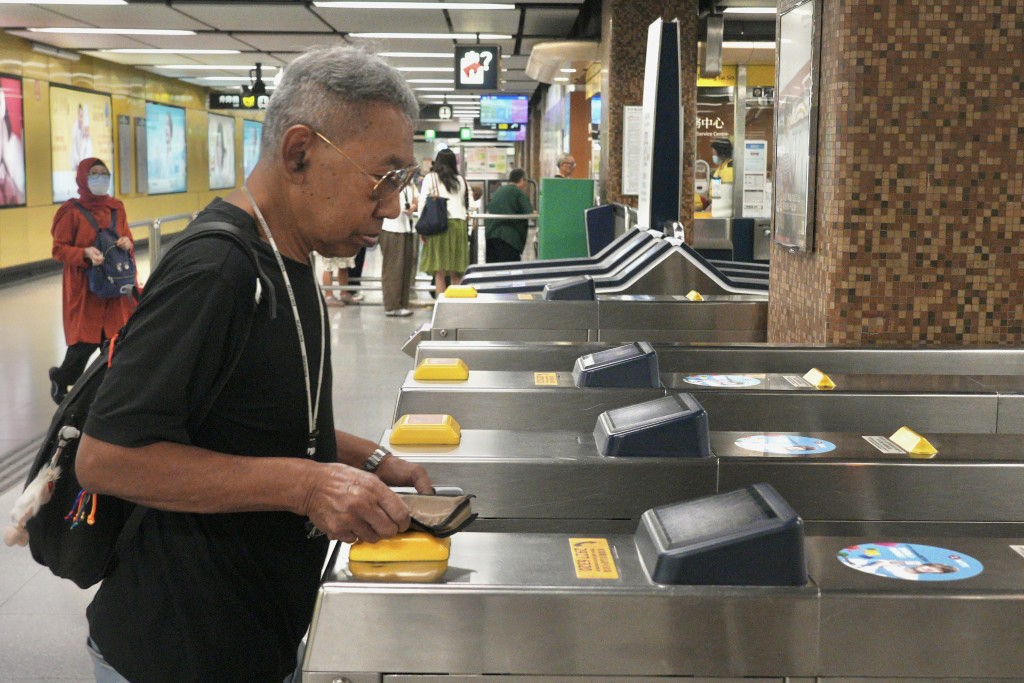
243 239
88 216
92 219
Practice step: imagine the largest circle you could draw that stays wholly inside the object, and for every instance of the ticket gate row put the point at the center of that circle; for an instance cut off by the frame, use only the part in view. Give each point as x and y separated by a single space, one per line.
899 550
613 319
534 607
640 262
734 358
542 401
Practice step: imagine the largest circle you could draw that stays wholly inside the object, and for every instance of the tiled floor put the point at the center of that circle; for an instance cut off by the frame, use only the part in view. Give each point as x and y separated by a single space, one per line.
42 618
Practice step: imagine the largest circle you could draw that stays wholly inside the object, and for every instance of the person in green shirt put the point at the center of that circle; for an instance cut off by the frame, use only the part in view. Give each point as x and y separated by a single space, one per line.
506 237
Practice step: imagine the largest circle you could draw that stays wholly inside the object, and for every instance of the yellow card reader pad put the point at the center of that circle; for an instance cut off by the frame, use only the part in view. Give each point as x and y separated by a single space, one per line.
426 430
441 369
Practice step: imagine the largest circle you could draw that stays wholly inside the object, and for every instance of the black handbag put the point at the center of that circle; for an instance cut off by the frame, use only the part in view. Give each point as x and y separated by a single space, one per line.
433 218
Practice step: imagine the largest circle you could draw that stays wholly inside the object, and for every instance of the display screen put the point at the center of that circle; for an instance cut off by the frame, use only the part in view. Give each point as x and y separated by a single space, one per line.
504 109
221 141
12 143
714 517
166 165
252 136
595 110
512 135
81 126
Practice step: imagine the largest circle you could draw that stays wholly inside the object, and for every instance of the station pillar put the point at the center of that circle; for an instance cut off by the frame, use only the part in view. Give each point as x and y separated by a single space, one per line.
919 202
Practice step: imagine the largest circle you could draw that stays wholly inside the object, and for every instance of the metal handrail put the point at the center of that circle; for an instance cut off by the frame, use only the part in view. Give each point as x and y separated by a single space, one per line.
481 244
155 236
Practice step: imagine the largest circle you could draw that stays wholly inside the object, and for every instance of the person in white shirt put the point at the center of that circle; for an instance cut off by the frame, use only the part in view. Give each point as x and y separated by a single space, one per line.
398 251
446 255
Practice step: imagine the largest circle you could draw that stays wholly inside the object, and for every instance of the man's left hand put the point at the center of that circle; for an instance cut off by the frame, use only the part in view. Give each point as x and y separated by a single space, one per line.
394 471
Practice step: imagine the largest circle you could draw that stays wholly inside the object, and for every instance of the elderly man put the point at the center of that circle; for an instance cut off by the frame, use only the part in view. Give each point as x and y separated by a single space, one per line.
566 164
220 580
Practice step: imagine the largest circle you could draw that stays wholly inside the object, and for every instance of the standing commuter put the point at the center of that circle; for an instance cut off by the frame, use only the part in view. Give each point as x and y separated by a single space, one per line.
88 318
220 580
398 257
565 165
446 255
506 237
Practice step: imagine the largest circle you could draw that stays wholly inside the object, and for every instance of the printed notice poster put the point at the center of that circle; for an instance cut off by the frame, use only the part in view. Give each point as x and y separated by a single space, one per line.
632 149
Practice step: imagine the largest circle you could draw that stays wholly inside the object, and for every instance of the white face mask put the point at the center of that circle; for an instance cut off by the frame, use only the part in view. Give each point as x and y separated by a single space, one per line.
715 159
99 184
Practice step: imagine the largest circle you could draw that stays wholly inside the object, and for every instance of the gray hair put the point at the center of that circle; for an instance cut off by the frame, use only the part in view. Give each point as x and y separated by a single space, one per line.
562 158
326 88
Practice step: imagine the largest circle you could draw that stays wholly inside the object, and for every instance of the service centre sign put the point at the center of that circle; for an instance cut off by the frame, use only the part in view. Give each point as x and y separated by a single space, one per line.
477 67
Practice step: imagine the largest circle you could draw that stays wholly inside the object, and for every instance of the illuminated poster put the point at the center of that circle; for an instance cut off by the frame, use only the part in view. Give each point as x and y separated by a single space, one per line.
221 140
12 143
252 136
81 126
166 166
796 124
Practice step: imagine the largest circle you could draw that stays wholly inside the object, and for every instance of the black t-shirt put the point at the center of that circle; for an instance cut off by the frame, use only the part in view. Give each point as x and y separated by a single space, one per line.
214 597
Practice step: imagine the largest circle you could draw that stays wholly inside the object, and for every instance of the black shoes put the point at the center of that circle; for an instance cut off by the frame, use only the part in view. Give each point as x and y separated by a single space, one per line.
57 390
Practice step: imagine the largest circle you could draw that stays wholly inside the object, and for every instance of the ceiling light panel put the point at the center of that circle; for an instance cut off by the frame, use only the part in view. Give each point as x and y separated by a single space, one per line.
479 21
287 42
244 16
134 16
375 20
81 41
30 15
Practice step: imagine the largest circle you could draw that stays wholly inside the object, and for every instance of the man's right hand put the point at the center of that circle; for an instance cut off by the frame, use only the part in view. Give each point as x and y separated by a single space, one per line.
348 504
94 255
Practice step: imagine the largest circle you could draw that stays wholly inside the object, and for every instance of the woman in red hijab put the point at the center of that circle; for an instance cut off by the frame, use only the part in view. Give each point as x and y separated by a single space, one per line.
88 319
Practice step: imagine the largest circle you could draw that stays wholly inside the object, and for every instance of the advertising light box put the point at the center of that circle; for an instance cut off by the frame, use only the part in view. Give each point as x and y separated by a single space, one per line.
12 143
166 165
221 142
81 126
252 136
504 109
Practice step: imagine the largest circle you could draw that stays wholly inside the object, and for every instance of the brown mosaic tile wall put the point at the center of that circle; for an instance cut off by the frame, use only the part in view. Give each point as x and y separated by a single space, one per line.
623 56
920 199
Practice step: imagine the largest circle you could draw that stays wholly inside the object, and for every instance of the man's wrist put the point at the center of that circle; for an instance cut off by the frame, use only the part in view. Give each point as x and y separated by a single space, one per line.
376 458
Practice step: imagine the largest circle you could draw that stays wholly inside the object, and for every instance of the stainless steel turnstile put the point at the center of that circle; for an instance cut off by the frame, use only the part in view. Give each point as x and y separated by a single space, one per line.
738 357
557 481
778 402
614 319
514 606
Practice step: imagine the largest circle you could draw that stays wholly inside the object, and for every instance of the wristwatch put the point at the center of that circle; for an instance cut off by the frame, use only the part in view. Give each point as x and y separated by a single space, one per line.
373 462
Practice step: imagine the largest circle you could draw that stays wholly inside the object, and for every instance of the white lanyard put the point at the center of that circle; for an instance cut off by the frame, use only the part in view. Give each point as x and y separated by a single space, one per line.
312 407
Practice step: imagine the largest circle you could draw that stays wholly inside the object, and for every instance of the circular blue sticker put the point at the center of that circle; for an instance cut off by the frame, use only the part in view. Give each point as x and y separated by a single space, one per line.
785 444
910 562
722 380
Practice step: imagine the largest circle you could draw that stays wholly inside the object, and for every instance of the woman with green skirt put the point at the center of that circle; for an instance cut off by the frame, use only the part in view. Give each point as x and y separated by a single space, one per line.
447 254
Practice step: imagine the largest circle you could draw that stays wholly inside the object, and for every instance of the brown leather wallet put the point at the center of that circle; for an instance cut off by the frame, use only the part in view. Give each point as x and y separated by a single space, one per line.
439 516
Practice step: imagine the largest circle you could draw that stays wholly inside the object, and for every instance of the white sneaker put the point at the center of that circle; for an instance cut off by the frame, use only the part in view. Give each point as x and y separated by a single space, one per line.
398 313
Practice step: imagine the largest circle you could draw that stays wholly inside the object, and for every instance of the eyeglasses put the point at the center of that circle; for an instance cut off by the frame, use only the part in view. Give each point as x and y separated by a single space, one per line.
387 184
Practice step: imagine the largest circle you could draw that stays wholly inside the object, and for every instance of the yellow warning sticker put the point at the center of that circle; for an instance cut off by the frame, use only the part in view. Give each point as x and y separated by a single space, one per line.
525 297
592 558
545 379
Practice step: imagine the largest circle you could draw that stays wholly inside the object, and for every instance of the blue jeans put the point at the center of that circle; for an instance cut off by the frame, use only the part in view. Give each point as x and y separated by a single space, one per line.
105 673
